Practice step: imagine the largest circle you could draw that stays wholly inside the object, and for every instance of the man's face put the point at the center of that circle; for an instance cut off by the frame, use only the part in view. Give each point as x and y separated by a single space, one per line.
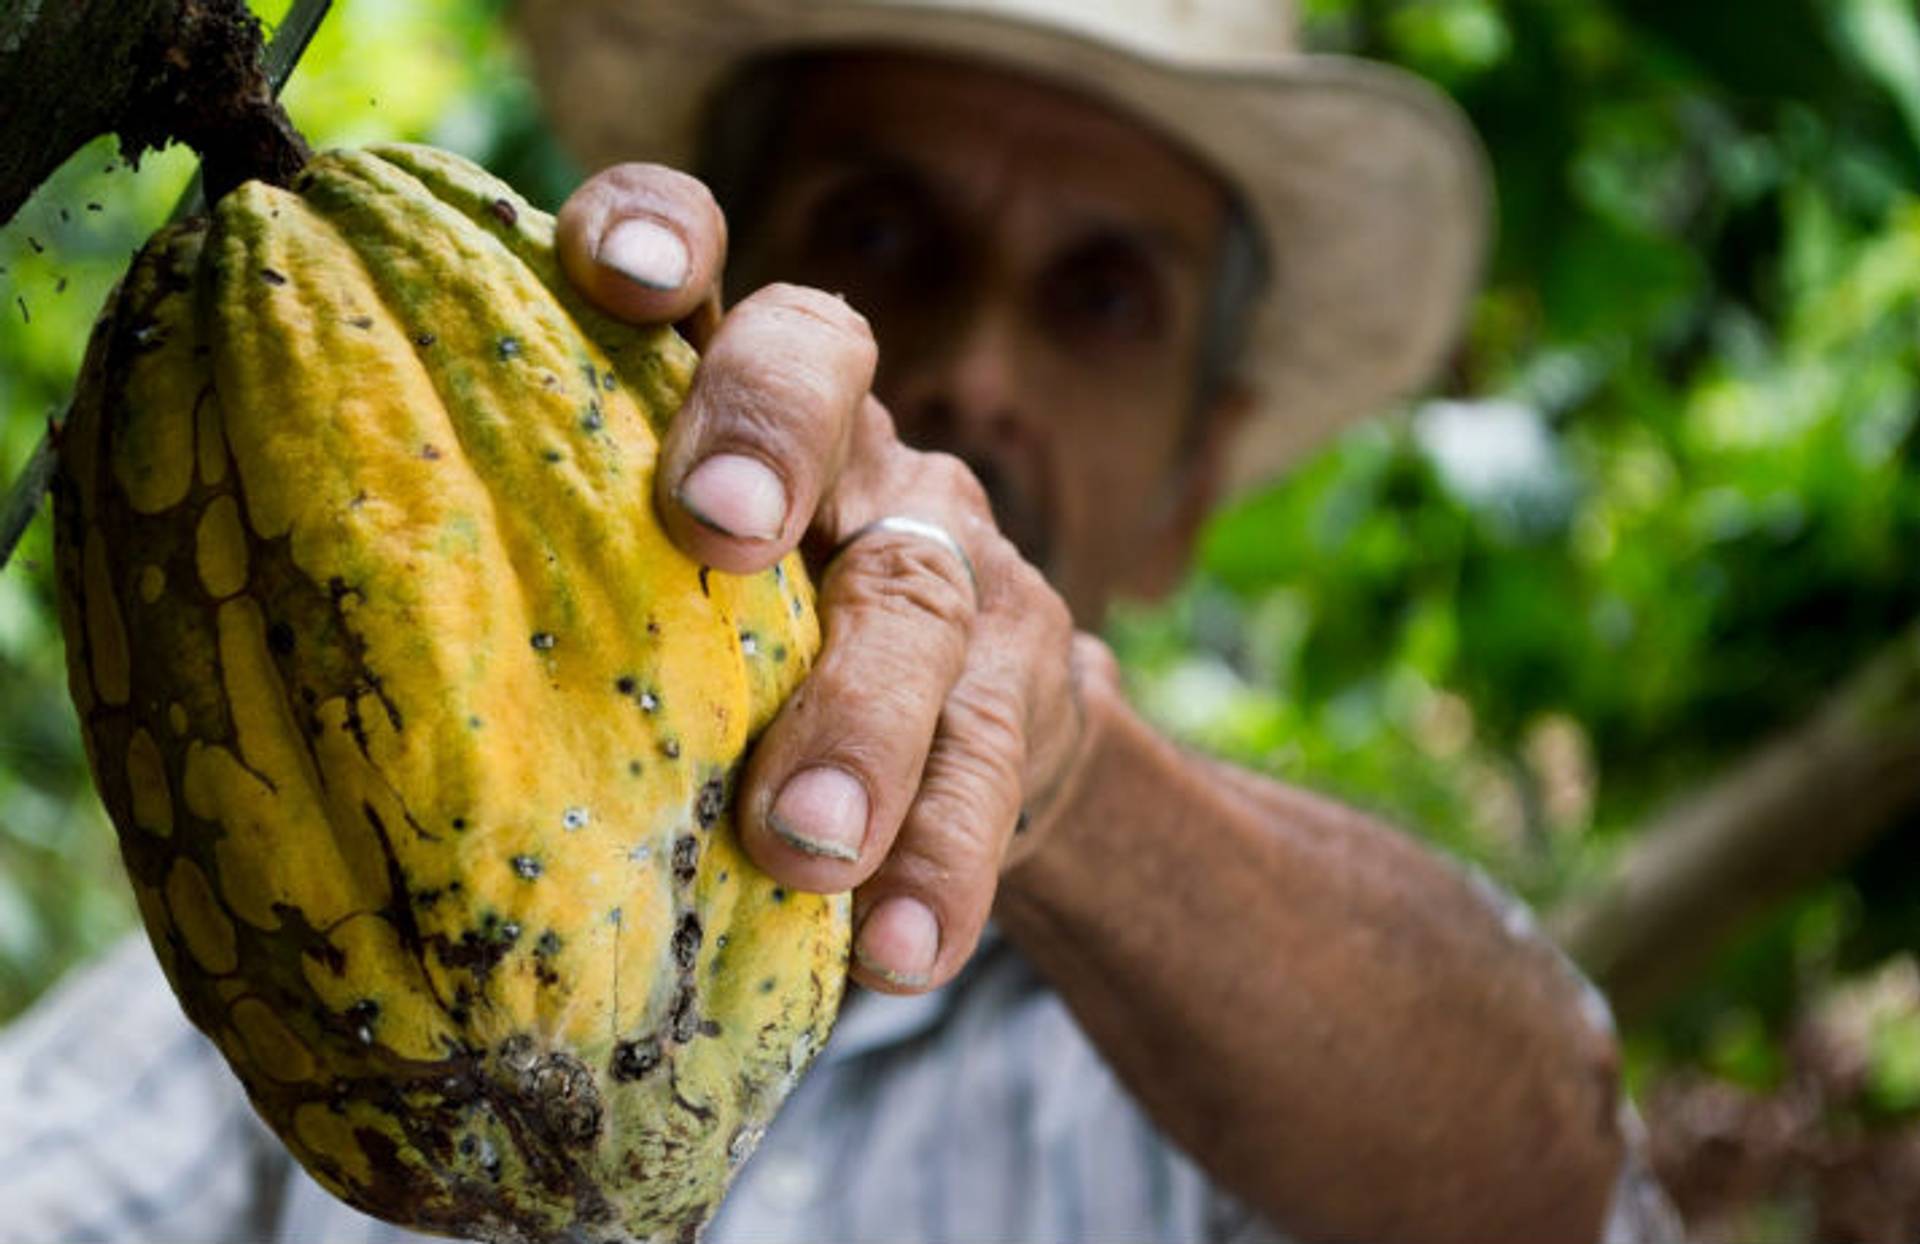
1036 270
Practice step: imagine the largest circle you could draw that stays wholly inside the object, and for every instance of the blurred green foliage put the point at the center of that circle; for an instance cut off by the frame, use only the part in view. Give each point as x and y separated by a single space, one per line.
1665 498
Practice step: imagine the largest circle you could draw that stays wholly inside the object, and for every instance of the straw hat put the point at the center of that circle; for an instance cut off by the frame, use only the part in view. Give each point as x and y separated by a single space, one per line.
1367 183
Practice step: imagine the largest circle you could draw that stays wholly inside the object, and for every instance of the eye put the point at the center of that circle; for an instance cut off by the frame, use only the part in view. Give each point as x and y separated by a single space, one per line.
869 228
1108 289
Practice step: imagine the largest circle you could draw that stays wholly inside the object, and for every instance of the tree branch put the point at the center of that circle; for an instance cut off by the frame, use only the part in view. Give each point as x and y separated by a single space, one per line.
152 71
1800 807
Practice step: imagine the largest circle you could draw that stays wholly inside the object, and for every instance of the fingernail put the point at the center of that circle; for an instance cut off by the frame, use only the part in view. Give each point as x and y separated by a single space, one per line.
822 811
645 252
737 496
899 942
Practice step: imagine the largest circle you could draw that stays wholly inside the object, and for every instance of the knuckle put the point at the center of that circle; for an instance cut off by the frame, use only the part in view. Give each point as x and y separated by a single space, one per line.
903 577
952 477
987 726
817 311
764 405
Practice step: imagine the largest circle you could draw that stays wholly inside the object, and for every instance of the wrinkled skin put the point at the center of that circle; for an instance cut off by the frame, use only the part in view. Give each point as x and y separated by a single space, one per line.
1331 1020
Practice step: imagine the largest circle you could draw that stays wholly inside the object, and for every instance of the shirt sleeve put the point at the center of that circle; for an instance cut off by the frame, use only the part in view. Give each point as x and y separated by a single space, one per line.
123 1121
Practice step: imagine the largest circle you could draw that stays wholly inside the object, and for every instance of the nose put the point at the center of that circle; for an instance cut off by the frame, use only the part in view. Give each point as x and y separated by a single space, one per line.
965 391
975 391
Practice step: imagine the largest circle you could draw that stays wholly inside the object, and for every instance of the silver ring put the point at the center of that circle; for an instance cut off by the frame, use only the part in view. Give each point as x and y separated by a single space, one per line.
907 525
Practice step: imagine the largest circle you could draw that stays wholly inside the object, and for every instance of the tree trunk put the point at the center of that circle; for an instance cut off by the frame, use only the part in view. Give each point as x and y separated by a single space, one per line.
152 71
1799 808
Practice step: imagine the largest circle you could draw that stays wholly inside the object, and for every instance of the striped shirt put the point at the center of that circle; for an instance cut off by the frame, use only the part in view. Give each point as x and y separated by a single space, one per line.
977 1112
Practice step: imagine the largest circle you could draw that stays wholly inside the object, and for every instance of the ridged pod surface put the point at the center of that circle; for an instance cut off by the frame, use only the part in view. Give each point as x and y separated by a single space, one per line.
419 735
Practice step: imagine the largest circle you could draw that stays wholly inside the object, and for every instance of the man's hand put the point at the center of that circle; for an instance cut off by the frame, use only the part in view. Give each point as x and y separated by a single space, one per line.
943 710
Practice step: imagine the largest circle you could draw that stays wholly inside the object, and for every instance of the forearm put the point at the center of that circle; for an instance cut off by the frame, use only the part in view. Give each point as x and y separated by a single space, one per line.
1324 1014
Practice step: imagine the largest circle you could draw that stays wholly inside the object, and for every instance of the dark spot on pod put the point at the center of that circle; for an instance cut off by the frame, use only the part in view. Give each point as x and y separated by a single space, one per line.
720 943
480 949
462 1008
1020 822
425 899
749 643
508 348
35 244
361 1015
704 572
60 286
280 638
686 858
271 277
543 641
526 867
468 1146
653 626
473 723
548 946
593 420
684 1020
551 455
338 590
709 803
670 748
779 894
779 654
66 217
504 212
460 822
766 984
626 684
634 1059
709 1027
430 452
95 207
607 381
361 321
633 767
423 340
686 941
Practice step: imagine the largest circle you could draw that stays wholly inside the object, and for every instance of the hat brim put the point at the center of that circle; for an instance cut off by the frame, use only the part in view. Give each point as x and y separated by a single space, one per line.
1369 186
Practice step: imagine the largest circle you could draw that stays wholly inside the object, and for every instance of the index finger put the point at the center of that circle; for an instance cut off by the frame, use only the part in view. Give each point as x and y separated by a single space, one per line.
643 242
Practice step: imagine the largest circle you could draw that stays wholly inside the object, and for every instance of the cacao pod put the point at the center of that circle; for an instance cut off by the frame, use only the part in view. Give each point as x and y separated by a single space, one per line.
418 734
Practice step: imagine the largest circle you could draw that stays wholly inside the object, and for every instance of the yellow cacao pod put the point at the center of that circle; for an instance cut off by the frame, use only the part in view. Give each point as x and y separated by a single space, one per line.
418 734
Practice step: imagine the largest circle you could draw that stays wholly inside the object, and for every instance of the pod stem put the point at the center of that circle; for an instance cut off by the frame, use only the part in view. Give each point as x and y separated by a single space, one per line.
211 91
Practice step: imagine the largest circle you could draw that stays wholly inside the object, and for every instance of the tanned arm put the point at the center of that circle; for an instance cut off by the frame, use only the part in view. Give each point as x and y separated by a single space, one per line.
1329 1018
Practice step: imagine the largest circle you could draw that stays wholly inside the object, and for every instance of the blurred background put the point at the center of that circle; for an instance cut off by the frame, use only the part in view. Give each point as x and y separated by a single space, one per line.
1627 612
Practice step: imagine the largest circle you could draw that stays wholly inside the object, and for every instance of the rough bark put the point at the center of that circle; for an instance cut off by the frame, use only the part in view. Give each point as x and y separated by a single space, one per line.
152 71
1800 807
